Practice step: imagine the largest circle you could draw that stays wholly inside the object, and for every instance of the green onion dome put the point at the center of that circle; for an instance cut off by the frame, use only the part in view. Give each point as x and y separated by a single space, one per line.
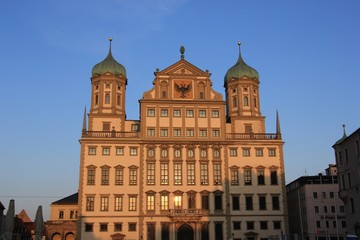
241 69
109 65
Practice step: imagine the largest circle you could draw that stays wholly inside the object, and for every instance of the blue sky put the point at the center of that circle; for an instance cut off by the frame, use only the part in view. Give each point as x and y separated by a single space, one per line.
306 52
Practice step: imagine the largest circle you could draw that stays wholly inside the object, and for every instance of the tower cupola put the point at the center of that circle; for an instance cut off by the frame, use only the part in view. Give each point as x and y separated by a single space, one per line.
109 65
240 70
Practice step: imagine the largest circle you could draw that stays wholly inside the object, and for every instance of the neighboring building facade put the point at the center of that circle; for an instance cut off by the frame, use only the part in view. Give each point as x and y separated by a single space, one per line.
192 167
315 209
347 154
63 215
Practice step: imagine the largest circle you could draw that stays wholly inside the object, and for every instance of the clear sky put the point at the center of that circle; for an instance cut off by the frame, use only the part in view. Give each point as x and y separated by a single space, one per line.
306 52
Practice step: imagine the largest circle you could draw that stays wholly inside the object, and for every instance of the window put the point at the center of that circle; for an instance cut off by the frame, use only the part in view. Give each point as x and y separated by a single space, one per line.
249 202
164 204
151 153
105 175
273 177
234 101
236 225
164 173
133 177
132 227
332 209
218 201
150 173
107 98
150 203
189 113
118 203
119 176
259 152
178 202
203 153
132 203
135 127
61 214
91 176
204 202
275 203
343 224
315 195
120 151
117 227
316 209
92 151
104 203
177 113
261 177
150 132
164 132
164 153
234 176
233 152
89 227
105 151
217 173
190 173
73 214
203 133
246 152
216 153
90 203
164 113
133 151
202 113
151 112
250 225
214 113
190 153
246 101
324 194
191 201
177 132
277 224
177 174
204 173
263 225
177 153
318 224
247 177
272 152
262 203
342 209
235 202
190 132
331 194
106 126
96 99
216 133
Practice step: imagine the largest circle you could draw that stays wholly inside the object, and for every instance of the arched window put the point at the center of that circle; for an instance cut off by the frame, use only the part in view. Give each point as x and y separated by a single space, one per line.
246 101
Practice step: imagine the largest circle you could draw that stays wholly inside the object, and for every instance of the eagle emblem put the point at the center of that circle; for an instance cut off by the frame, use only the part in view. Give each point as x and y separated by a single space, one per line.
183 89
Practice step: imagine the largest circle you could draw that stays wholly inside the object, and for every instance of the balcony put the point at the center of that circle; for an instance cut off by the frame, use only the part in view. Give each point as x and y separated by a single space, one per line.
185 214
257 136
109 134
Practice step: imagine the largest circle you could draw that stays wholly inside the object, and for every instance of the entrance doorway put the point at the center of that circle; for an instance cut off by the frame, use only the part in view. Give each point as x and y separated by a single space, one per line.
185 232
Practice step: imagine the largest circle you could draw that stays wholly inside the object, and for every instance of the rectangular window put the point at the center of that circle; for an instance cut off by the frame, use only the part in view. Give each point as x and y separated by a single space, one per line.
190 173
275 203
89 227
150 203
236 225
150 132
190 132
164 204
164 132
246 152
216 133
217 173
117 227
118 203
164 113
272 152
316 209
331 194
203 133
177 113
120 151
90 203
214 113
133 151
132 203
204 173
105 176
318 224
205 202
315 195
263 225
218 201
189 113
332 209
104 204
202 113
249 202
151 112
262 203
236 203
103 227
132 227
61 214
277 225
233 152
177 174
150 173
91 177
134 127
261 177
273 177
73 214
164 173
133 177
234 177
259 152
247 177
92 151
105 151
250 225
177 132
119 176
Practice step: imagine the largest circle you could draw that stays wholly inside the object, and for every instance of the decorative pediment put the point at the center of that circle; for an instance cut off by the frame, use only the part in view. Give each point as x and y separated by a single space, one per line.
183 67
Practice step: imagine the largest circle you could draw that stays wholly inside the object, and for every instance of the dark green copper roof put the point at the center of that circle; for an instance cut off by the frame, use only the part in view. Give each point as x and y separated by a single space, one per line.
241 69
109 65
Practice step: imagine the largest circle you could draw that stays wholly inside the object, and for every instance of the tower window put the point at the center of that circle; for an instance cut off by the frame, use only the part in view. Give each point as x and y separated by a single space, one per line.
234 102
96 99
201 95
246 101
255 102
118 99
107 98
